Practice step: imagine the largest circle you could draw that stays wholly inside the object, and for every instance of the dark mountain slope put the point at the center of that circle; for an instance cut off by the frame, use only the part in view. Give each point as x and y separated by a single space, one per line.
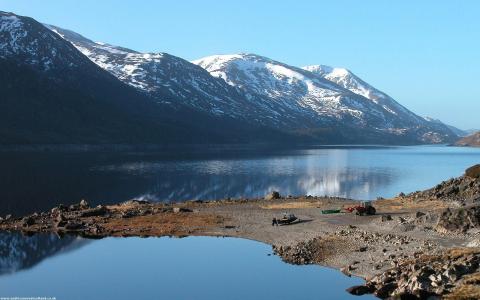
52 93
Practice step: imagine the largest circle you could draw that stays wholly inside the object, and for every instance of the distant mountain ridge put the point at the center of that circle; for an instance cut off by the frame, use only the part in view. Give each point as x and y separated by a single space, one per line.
353 83
323 94
472 140
66 88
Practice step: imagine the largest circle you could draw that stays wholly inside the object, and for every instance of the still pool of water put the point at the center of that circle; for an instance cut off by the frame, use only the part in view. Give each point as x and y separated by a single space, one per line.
35 181
159 268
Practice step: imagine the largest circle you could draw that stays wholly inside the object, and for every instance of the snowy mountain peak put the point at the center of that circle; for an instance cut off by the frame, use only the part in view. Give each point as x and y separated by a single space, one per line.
25 40
348 80
266 74
324 70
296 89
168 79
320 94
11 33
344 78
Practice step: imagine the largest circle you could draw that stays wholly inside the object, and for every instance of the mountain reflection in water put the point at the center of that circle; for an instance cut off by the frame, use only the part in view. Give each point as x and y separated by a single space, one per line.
169 268
36 181
19 252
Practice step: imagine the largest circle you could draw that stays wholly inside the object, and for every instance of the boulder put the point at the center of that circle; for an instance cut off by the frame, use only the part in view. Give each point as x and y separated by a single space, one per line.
473 172
346 271
27 221
84 204
460 219
60 221
135 202
100 210
386 218
181 209
272 195
74 207
419 214
452 190
359 290
73 225
129 214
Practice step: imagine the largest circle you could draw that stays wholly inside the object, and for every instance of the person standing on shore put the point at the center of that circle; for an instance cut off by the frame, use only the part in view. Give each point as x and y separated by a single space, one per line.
274 222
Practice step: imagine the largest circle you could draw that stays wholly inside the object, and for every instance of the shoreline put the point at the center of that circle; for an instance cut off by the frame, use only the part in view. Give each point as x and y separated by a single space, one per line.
362 246
91 148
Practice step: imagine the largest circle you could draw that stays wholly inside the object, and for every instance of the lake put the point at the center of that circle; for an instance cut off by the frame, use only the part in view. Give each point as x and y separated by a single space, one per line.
34 181
160 268
194 267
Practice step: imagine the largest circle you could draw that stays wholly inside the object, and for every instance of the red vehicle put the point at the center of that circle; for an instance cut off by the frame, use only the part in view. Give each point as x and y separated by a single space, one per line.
364 209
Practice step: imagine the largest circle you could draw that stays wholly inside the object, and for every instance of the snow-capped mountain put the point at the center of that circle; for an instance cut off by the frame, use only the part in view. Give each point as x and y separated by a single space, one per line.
353 83
286 91
322 96
53 93
167 78
25 40
60 87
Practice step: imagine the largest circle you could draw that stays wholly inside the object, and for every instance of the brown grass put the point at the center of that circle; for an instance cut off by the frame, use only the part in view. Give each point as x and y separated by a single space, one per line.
163 224
457 252
468 290
407 204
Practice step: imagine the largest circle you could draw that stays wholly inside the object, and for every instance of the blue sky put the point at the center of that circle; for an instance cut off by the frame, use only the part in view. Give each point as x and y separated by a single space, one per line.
425 54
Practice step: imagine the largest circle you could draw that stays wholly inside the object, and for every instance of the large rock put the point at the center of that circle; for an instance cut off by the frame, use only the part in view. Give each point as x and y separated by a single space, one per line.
84 204
181 209
94 212
135 202
28 221
460 219
464 190
272 195
359 290
473 172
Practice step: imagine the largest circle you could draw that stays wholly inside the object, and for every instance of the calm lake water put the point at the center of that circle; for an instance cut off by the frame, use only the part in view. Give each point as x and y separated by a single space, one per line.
162 268
34 181
196 267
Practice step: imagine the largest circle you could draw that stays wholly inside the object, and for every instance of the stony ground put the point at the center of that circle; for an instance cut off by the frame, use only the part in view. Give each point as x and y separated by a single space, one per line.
416 246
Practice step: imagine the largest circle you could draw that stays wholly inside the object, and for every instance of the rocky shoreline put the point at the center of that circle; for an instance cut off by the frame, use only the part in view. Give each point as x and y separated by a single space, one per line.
418 246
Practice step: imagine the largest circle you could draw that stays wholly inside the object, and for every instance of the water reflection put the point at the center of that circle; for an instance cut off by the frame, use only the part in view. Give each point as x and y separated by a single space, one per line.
19 252
33 181
342 182
163 268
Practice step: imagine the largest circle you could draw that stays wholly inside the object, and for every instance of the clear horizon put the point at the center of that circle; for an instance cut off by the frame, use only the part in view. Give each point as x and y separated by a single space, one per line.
424 54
